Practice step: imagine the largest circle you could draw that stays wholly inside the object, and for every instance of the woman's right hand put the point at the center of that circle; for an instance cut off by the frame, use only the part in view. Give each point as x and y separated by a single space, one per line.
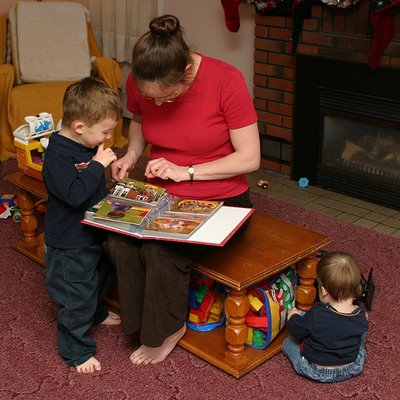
121 167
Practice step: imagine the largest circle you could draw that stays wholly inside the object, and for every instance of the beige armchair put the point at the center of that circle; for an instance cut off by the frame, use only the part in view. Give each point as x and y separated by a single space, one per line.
25 90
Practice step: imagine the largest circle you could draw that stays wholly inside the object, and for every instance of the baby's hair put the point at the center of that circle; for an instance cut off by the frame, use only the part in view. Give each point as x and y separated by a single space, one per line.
340 275
161 55
91 101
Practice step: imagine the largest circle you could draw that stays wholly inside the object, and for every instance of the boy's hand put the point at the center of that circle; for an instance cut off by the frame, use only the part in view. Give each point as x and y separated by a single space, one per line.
293 311
104 156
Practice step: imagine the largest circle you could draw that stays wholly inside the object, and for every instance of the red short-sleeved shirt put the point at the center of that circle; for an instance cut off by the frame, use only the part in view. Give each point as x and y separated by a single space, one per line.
194 129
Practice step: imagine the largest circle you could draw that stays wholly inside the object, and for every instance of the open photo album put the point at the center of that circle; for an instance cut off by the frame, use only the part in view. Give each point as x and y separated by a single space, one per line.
145 211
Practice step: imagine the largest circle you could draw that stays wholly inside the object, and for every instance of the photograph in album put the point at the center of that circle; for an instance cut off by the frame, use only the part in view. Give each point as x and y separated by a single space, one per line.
131 189
192 207
118 211
177 227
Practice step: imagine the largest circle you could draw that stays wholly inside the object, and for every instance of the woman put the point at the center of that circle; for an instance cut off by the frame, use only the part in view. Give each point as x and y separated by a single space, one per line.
199 118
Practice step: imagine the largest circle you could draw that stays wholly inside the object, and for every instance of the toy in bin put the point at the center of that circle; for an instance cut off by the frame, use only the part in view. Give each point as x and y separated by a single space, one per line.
31 140
269 302
206 303
9 207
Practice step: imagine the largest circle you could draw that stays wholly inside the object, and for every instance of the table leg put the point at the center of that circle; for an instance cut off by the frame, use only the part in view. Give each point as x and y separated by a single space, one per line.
31 244
237 306
306 292
28 222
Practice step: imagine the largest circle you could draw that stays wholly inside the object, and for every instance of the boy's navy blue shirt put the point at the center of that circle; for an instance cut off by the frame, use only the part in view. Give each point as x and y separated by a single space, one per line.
329 337
74 183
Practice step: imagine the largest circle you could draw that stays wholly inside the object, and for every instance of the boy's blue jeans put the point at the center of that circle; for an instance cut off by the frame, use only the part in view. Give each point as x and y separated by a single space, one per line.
78 280
291 348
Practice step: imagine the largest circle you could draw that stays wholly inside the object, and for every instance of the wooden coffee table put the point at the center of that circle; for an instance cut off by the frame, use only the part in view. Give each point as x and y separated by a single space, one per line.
268 246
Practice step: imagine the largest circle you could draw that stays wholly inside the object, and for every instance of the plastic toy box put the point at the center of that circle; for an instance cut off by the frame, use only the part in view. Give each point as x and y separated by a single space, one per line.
30 141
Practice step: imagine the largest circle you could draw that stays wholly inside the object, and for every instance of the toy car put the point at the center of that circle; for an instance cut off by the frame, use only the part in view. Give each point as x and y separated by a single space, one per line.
263 183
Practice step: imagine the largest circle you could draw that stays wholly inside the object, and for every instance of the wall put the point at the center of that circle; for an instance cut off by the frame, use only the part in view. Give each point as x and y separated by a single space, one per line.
341 34
205 30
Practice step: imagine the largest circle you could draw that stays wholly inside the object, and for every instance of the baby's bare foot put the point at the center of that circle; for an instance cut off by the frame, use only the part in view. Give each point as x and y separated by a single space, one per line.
152 355
112 319
89 366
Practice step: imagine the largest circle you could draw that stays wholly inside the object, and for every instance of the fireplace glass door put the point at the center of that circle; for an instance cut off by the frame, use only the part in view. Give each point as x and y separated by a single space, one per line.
359 148
347 129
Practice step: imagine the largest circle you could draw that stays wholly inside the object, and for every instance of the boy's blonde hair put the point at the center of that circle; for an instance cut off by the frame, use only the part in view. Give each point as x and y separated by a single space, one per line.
91 101
340 275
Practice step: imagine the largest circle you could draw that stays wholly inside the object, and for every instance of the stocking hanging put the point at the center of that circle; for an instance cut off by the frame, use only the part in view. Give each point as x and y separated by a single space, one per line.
231 10
383 23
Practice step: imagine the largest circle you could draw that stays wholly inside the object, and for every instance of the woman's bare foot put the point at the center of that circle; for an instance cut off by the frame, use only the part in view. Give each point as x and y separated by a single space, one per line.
112 319
89 366
152 355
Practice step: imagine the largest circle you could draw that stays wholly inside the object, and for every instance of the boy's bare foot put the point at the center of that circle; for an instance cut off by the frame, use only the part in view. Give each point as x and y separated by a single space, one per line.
112 319
152 355
89 366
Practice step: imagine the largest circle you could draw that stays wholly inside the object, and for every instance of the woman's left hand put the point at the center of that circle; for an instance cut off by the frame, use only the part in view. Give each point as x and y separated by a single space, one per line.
164 169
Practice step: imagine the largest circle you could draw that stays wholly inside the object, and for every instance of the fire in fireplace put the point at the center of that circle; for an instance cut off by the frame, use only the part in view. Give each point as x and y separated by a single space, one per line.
347 129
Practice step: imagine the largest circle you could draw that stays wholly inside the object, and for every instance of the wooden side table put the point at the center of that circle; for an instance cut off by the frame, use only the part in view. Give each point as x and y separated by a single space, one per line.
31 244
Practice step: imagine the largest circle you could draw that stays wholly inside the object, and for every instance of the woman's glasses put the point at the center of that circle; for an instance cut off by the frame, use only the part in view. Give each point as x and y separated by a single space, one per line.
164 99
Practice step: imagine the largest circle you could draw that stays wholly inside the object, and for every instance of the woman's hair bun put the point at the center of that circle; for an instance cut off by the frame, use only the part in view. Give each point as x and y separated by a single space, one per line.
164 25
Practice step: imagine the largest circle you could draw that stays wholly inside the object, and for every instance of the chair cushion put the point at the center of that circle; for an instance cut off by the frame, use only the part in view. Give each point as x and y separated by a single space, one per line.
34 98
52 41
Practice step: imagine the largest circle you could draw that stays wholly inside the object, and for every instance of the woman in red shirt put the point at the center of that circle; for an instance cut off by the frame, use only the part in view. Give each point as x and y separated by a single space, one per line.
198 116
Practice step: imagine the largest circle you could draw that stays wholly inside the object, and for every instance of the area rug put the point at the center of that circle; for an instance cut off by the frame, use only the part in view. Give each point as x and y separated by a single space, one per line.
30 367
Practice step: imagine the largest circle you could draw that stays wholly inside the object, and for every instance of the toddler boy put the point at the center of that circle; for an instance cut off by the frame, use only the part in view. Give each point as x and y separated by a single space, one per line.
327 343
78 274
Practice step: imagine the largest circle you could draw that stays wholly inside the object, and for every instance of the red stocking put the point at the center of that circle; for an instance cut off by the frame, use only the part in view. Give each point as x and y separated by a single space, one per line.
231 10
383 24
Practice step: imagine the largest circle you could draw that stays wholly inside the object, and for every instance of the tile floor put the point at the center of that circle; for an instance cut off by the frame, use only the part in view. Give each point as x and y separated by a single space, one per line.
345 208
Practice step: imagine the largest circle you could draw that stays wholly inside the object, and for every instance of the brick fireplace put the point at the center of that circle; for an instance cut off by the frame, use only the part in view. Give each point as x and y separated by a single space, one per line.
342 35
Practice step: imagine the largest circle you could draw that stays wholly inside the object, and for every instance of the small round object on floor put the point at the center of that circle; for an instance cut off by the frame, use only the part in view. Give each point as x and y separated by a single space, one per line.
263 183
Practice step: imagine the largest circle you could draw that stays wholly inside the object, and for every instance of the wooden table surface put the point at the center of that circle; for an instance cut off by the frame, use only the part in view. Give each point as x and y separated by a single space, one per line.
269 245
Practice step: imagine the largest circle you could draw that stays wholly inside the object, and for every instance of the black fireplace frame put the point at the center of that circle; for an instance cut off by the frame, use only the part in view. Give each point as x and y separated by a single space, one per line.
323 73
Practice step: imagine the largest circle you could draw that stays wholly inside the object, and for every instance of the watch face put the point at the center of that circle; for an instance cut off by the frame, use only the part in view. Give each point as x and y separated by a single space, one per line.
191 170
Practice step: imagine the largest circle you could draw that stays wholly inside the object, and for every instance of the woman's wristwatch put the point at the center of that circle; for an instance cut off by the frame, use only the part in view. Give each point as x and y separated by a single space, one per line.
191 171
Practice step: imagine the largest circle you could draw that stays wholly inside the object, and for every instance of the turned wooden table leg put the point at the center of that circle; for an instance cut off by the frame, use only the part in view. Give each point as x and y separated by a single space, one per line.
306 292
237 306
28 222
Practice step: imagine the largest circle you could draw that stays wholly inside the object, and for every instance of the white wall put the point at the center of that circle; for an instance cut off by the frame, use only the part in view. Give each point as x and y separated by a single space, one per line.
205 31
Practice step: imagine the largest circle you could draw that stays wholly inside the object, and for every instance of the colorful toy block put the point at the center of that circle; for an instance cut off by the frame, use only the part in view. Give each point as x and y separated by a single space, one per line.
255 303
